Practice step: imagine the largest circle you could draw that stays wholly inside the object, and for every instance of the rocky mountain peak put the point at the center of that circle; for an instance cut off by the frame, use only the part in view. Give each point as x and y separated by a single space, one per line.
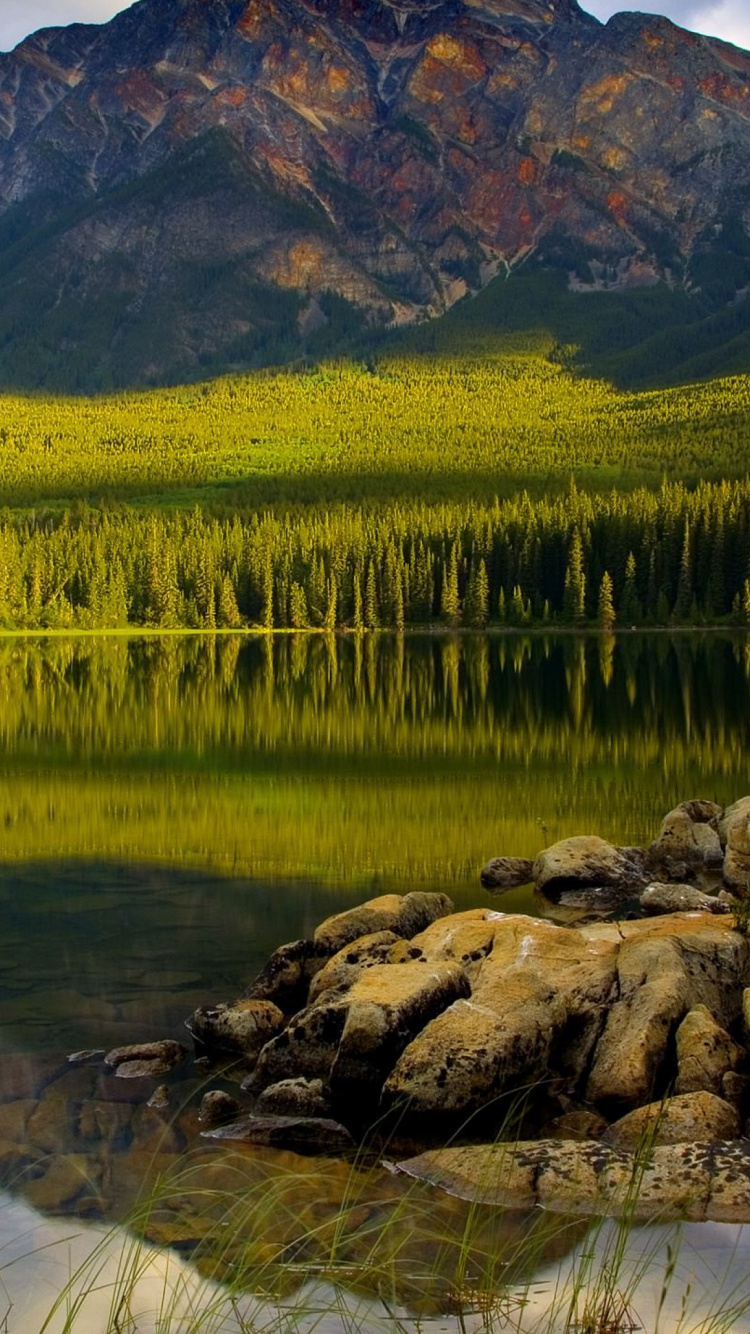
388 155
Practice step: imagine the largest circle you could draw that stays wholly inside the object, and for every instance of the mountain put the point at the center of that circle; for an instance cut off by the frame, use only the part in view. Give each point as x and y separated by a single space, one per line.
205 183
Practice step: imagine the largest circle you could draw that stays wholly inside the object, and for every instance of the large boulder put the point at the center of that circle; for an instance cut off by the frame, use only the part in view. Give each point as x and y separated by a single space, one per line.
688 843
665 967
286 978
686 1119
405 916
352 1041
539 997
342 970
734 832
506 873
695 1182
313 1135
588 862
705 1054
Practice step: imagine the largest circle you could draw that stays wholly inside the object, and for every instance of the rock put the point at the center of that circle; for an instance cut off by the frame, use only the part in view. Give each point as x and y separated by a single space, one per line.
405 916
580 1125
295 1097
286 978
696 1182
14 1117
685 1119
531 982
142 1069
86 1057
343 969
665 967
734 833
161 1056
688 842
506 873
588 862
705 1054
106 1122
300 1134
661 898
735 1089
52 1125
218 1107
353 1041
160 1099
66 1177
243 1027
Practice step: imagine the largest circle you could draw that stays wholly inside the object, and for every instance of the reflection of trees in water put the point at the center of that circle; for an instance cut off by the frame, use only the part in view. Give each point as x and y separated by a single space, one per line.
233 751
413 696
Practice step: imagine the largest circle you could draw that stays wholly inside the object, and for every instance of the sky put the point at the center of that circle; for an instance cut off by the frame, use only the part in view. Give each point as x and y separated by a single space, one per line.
729 19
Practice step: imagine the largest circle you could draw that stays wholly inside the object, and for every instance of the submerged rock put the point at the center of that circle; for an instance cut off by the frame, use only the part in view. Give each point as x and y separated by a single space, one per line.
218 1107
301 1134
146 1058
506 873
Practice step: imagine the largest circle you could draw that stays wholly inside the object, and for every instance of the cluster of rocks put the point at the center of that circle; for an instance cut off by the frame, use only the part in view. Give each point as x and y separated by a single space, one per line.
699 847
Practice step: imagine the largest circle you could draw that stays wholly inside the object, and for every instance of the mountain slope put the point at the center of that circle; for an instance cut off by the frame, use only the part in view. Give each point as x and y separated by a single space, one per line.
213 182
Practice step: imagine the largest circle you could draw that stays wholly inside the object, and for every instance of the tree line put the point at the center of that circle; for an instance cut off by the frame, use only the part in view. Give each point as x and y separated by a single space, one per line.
675 556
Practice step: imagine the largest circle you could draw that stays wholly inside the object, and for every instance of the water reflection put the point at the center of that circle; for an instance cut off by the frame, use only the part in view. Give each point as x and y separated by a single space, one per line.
360 759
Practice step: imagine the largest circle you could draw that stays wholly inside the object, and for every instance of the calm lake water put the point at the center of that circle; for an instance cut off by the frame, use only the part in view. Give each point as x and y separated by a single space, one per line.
173 808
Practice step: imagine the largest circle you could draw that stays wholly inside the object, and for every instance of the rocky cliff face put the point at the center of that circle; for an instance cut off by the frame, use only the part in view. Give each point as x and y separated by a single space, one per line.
188 179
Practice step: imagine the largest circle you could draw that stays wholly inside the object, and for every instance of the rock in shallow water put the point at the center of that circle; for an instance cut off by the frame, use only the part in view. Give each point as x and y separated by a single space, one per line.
300 1134
697 1182
506 873
588 862
667 898
165 1055
243 1027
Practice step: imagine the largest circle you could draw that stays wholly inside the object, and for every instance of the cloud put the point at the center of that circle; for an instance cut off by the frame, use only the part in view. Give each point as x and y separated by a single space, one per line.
18 18
728 19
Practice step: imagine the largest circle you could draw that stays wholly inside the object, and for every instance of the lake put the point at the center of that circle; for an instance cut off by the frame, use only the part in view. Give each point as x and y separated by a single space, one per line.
174 807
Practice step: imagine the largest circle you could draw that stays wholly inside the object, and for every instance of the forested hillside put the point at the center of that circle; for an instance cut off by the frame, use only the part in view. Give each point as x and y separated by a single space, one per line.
487 488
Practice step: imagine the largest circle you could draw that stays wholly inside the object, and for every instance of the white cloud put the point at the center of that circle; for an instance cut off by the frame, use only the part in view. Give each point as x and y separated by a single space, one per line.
18 18
728 19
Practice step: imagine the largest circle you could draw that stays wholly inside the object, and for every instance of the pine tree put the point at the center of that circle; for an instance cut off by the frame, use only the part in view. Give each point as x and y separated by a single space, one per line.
372 618
228 611
450 601
332 602
298 607
477 603
574 603
606 605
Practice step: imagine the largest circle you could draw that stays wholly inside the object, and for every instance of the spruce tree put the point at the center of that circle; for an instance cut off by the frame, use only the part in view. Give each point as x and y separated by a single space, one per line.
606 605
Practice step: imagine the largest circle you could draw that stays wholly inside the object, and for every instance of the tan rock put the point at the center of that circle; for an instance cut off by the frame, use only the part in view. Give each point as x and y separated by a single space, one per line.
734 827
530 982
685 1119
243 1027
295 1097
705 1054
688 841
588 862
406 916
696 1182
386 1008
104 1122
52 1125
669 898
343 969
666 966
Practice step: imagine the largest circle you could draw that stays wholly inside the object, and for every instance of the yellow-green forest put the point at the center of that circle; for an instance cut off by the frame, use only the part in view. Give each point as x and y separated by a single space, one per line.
492 487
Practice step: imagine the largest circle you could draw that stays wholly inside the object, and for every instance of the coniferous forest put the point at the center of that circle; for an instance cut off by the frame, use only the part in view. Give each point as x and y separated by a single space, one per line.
498 487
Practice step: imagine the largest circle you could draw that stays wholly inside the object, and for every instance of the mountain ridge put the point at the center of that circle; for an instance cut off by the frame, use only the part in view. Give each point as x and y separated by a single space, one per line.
203 182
